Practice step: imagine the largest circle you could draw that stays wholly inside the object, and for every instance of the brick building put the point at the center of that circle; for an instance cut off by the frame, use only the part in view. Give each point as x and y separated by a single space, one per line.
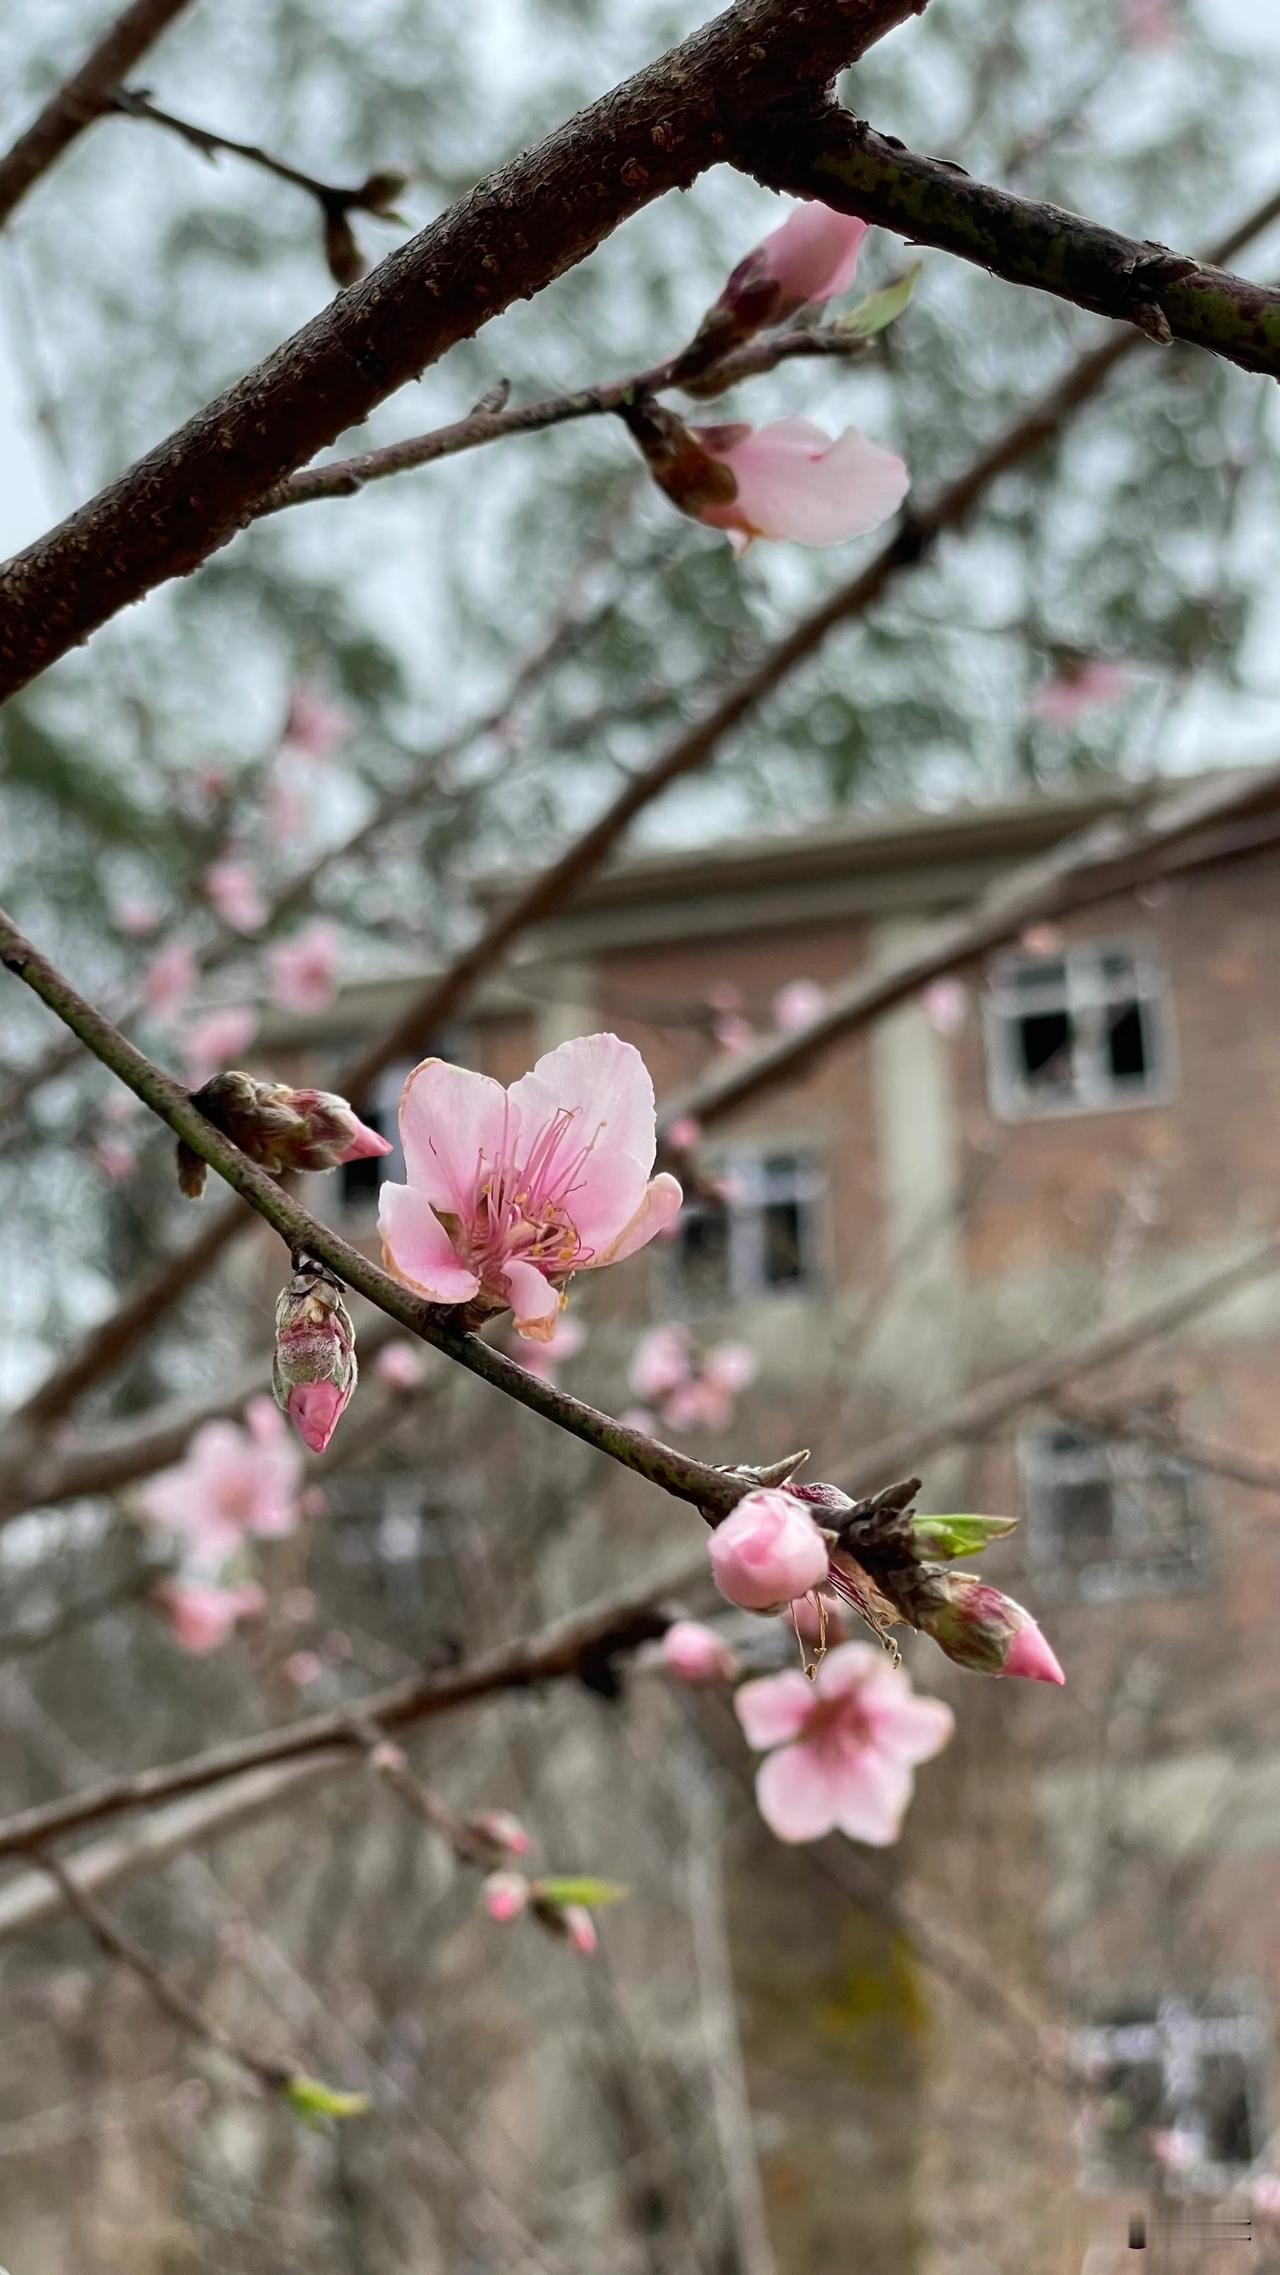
992 1170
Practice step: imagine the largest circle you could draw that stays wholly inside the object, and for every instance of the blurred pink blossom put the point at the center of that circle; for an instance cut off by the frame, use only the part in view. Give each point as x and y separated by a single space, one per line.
733 1033
660 1361
767 1551
511 1191
580 1928
137 917
1152 23
304 970
231 888
168 979
1041 939
698 1404
798 1004
400 1366
946 1004
1077 688
501 1830
696 1654
115 1159
314 725
232 1481
684 1132
730 1366
565 1341
213 1042
505 1895
1177 2150
200 1615
302 1668
793 480
1265 2197
288 802
844 1745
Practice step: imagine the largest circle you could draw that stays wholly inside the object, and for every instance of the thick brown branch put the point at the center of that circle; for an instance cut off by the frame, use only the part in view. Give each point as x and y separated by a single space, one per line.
845 163
110 1342
1110 857
86 96
510 238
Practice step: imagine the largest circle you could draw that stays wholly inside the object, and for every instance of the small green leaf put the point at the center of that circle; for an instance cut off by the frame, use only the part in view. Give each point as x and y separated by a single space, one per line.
569 1888
318 2104
945 1537
879 309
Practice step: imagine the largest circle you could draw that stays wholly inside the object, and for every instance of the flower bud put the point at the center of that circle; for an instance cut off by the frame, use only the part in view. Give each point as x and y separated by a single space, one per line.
580 1929
314 1371
278 1127
505 1895
979 1627
500 1830
809 259
696 1654
768 1551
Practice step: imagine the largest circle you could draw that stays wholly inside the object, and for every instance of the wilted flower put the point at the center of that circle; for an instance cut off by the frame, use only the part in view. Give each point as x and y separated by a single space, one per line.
768 1551
278 1127
512 1191
200 1615
233 1481
809 258
304 970
231 888
845 1745
696 1654
978 1626
314 1369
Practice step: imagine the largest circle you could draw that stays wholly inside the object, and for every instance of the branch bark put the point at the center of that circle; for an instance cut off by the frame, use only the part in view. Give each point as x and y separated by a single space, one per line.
86 96
513 235
828 154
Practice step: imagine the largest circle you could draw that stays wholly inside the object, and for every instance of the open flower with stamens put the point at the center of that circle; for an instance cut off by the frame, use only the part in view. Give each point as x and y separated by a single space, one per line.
844 1746
513 1190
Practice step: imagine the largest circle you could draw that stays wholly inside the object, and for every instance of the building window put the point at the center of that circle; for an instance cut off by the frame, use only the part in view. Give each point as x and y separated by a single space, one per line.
1077 1033
1108 1517
1174 2091
359 1180
762 1237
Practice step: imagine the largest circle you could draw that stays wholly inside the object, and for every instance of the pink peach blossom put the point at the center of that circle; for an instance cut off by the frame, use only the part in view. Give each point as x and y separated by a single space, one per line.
845 1743
696 1654
1265 2197
733 1033
137 917
512 1191
731 1366
168 979
399 1366
233 1481
798 1004
794 480
505 1895
213 1042
638 1418
698 1405
1077 688
684 1132
115 1159
501 1830
231 888
660 1361
314 725
581 1929
1177 2149
200 1615
304 971
809 258
767 1551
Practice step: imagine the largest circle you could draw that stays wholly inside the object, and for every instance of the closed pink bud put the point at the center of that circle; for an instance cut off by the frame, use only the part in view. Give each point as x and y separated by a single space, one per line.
767 1551
808 259
580 1929
505 1895
501 1830
978 1626
696 1654
280 1128
314 1370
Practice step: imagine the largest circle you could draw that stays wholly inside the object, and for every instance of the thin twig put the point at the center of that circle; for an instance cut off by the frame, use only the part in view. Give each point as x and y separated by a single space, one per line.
273 2076
86 96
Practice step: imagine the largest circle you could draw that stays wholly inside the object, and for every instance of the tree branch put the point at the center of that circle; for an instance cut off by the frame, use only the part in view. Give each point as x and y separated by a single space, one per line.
572 1648
111 1341
1111 856
86 96
511 237
828 154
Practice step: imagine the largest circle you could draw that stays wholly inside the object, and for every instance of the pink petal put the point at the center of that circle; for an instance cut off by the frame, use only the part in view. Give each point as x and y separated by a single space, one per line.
454 1125
1030 1655
605 1084
794 481
535 1305
794 1791
314 1408
814 253
418 1249
908 1728
870 1796
366 1144
846 1669
658 1209
774 1708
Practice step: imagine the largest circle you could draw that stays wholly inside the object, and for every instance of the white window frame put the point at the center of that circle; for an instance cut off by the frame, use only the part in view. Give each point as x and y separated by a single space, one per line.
1085 994
1138 1562
1175 2039
754 1185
